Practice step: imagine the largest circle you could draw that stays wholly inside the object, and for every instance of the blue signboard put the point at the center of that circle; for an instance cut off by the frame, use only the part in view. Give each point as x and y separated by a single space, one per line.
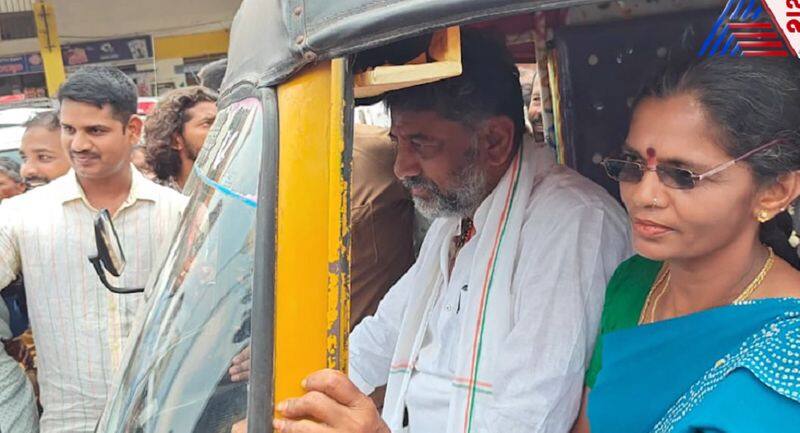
12 65
115 50
108 51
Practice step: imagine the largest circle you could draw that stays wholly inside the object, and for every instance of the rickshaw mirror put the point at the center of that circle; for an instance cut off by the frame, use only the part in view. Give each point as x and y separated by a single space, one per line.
109 249
110 256
445 53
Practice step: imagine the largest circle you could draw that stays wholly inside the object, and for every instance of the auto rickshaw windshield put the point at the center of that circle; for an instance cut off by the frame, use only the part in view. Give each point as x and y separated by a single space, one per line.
176 376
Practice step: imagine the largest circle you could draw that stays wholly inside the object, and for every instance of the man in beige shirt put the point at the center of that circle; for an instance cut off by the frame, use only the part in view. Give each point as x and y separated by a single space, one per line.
47 235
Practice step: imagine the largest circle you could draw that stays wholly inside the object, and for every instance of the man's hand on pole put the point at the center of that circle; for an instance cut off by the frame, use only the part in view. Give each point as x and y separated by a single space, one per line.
332 404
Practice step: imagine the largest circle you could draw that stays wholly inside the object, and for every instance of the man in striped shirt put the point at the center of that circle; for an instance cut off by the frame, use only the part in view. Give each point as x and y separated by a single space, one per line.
47 235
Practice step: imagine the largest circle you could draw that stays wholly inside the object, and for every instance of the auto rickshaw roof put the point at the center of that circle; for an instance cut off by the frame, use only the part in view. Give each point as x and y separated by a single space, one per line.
272 39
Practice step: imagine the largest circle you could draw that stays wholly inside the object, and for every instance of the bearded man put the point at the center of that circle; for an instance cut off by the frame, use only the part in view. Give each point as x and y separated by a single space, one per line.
175 133
492 328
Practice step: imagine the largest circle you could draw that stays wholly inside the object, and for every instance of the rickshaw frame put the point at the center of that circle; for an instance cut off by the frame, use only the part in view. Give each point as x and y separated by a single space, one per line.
308 45
295 62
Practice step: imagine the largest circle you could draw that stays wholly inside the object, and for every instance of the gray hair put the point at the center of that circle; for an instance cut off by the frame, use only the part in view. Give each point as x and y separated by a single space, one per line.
10 168
45 119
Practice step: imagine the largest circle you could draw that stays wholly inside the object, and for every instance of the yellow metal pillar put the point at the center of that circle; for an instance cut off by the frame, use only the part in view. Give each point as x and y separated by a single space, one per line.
312 263
49 45
193 45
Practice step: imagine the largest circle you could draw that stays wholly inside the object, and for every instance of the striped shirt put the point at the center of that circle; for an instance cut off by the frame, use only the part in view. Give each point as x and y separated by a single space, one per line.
79 326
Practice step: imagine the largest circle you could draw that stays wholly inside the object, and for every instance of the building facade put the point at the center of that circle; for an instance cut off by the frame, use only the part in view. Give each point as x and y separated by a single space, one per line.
160 44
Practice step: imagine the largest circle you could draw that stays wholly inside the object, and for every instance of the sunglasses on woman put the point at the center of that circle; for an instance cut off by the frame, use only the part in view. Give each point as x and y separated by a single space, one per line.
674 177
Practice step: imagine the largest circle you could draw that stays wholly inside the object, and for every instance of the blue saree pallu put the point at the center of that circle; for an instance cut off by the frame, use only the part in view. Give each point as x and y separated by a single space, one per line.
733 369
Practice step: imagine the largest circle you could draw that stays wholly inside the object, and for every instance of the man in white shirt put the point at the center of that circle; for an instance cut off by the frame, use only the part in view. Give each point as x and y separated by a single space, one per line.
47 234
492 328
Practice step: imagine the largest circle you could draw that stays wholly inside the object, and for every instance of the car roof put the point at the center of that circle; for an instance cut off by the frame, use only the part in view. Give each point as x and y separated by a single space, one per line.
17 116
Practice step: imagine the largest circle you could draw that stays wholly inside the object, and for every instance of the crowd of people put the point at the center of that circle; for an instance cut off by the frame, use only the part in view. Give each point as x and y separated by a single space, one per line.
536 302
75 161
95 153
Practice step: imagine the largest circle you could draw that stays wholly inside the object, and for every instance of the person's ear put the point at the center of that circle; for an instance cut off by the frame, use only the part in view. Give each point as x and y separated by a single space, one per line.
134 129
178 142
778 196
498 132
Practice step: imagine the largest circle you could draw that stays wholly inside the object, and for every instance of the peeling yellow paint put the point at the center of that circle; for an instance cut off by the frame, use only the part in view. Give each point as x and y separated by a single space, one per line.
338 224
312 264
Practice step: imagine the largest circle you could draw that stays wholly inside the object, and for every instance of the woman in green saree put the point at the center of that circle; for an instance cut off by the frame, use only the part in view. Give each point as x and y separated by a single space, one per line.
701 330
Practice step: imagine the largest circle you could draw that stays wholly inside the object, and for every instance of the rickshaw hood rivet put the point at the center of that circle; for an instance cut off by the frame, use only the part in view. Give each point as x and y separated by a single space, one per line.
299 40
298 11
310 56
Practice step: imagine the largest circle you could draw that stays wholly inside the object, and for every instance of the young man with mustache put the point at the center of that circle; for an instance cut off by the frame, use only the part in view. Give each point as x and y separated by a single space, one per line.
492 328
47 234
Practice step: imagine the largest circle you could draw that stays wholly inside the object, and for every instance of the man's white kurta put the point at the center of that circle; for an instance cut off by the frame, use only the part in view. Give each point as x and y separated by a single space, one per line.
79 326
572 238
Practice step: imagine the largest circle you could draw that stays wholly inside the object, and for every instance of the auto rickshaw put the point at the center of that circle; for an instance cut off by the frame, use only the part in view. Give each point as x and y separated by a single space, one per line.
261 259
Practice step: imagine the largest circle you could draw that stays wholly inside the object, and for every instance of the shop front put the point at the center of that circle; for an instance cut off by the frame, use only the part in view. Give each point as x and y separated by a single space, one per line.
24 74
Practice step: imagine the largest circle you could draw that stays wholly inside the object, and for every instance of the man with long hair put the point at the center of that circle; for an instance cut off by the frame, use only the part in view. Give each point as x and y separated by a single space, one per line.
175 132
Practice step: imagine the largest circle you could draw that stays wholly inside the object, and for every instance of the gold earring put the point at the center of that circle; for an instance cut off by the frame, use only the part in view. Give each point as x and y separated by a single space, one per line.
763 216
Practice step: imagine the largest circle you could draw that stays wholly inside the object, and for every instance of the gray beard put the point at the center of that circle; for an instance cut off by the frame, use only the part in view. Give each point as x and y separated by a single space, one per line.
461 201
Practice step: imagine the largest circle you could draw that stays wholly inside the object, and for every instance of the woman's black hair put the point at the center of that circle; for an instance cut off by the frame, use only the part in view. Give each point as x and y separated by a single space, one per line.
752 101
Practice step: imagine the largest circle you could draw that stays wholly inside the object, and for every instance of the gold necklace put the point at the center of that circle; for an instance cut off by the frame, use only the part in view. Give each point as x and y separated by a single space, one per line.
748 292
662 283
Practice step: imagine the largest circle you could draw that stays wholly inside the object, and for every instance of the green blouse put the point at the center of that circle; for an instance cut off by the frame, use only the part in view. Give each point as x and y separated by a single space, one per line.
625 297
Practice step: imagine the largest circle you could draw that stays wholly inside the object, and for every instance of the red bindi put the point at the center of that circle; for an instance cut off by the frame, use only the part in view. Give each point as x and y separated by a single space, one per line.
651 157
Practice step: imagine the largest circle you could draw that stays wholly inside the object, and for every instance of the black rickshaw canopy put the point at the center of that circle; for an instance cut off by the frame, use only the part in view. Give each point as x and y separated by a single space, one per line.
290 34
